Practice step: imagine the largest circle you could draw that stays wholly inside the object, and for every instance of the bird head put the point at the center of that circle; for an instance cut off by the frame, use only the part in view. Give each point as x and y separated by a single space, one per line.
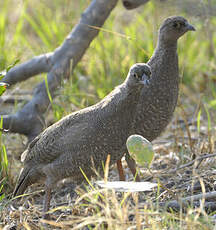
139 74
174 27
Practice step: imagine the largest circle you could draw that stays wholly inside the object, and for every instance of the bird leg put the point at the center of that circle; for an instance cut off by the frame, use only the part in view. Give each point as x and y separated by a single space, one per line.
46 204
132 166
120 170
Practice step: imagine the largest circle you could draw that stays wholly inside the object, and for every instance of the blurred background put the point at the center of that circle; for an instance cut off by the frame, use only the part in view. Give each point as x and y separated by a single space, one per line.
29 28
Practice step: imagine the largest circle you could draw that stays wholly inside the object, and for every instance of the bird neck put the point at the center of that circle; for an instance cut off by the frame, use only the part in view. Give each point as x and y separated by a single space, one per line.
121 100
164 61
127 96
133 90
164 45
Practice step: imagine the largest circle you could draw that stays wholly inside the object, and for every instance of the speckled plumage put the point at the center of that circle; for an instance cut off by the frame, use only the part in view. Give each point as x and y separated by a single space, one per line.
89 134
157 102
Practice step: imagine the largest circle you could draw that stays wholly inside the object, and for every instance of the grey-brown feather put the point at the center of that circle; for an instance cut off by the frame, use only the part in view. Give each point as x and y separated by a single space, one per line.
157 102
81 137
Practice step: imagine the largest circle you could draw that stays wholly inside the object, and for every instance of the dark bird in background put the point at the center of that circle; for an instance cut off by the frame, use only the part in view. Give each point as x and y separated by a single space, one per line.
158 101
84 138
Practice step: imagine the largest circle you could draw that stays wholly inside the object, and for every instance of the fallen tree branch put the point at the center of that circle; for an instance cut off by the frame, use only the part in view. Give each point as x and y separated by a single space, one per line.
183 203
13 99
198 159
37 65
29 119
206 196
58 64
131 4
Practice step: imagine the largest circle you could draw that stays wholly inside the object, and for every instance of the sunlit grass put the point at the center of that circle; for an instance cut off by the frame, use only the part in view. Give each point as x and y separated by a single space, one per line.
128 37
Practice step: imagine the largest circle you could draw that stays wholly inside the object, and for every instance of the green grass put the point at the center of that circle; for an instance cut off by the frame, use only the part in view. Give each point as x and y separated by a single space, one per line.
29 28
3 164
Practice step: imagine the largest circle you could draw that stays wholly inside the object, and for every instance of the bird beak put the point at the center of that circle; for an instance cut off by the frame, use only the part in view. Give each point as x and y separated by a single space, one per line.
190 27
145 79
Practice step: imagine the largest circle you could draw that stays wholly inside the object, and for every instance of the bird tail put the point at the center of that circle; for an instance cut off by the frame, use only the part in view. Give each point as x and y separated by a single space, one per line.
23 182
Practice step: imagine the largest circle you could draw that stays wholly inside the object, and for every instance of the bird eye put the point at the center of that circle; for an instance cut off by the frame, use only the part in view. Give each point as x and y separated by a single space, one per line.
176 25
136 75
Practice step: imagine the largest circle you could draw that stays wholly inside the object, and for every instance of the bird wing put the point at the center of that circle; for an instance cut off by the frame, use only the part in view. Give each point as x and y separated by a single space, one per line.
31 145
56 140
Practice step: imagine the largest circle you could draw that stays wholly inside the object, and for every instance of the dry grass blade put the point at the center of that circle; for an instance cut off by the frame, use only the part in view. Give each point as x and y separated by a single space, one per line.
127 37
184 116
106 169
198 159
